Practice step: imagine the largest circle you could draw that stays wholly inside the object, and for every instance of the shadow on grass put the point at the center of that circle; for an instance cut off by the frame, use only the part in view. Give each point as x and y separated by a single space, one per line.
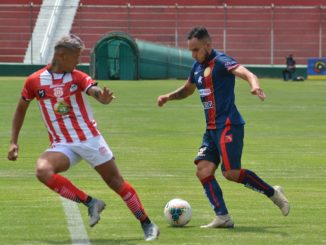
259 229
127 241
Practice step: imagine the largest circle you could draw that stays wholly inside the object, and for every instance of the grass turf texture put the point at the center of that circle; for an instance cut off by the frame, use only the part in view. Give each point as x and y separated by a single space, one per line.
285 141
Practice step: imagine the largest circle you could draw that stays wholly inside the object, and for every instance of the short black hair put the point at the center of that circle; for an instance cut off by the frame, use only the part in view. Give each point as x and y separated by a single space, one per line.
198 32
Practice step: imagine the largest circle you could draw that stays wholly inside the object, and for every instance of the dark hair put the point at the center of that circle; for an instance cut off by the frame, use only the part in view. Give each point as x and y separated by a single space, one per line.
199 32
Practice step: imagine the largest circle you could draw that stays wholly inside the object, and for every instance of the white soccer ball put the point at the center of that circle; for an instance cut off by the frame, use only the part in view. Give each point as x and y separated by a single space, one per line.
178 212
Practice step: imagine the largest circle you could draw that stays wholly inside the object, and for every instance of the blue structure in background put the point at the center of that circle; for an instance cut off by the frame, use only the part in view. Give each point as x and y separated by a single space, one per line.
316 68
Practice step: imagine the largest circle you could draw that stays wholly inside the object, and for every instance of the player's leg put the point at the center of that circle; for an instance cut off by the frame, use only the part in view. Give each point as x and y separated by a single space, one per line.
291 71
284 73
206 162
231 144
49 164
213 191
112 177
98 154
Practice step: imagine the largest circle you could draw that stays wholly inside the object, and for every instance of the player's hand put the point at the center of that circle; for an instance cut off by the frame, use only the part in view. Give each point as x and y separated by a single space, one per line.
105 96
13 152
259 92
162 99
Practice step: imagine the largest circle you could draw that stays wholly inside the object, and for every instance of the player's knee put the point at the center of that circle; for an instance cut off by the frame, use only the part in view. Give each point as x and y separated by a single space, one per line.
115 182
204 171
43 171
231 175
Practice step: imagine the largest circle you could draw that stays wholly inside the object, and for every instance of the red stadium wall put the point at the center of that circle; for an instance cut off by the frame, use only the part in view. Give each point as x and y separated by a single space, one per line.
204 2
17 19
245 33
20 2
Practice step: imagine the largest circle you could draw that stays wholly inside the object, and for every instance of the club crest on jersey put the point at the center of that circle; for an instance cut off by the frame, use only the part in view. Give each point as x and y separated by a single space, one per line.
207 72
58 91
61 108
41 93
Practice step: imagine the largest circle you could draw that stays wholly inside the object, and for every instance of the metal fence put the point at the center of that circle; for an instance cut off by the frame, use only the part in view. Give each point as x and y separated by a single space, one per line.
251 34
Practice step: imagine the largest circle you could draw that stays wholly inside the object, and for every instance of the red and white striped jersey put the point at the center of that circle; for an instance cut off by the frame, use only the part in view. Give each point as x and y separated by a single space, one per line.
63 103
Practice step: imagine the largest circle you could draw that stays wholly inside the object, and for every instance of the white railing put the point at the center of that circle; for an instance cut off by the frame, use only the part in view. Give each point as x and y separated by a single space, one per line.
50 30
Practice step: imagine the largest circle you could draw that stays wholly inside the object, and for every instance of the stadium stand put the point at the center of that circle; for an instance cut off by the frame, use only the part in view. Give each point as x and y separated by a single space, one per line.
16 25
257 33
206 2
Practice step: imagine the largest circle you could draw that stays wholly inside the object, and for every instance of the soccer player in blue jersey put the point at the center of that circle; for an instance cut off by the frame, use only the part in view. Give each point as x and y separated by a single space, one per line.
213 74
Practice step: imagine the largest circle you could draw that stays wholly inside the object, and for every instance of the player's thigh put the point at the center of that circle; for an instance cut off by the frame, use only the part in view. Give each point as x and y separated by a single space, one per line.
230 146
208 157
208 151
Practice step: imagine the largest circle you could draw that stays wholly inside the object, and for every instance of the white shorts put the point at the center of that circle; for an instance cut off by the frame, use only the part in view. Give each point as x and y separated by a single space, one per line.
95 151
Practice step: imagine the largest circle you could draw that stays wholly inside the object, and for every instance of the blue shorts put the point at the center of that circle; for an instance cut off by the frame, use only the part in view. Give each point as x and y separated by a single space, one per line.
226 144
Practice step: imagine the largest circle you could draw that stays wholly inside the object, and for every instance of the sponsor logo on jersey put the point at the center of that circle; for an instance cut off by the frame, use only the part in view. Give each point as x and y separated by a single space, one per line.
208 105
73 87
201 152
61 108
228 138
41 93
200 80
230 64
204 92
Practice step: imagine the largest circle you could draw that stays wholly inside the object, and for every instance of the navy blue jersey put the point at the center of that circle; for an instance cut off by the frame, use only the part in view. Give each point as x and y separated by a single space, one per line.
215 84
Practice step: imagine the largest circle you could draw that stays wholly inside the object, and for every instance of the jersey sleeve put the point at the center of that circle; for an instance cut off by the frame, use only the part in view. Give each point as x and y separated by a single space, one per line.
191 77
28 93
228 62
85 81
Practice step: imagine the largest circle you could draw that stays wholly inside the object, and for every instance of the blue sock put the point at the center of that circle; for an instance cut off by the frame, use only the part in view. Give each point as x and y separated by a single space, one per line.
214 194
252 181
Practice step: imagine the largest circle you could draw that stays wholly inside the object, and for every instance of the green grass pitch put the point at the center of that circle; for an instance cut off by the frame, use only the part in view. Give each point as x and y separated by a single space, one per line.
285 142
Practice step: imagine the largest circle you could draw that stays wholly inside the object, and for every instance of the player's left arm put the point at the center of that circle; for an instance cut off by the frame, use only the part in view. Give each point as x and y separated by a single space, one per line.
104 96
245 74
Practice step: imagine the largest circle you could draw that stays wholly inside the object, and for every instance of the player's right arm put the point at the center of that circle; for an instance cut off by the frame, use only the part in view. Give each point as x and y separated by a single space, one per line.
183 92
17 124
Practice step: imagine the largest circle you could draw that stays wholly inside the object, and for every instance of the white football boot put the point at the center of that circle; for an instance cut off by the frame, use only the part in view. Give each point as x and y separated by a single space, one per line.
151 231
280 200
220 221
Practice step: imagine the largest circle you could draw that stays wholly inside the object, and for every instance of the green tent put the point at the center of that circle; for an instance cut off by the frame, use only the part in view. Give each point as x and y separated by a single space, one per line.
117 56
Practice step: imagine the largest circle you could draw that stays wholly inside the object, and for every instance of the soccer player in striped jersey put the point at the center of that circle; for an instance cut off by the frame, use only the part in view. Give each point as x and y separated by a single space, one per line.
61 92
213 74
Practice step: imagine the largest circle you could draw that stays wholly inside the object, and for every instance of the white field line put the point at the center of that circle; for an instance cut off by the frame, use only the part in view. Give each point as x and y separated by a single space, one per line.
75 223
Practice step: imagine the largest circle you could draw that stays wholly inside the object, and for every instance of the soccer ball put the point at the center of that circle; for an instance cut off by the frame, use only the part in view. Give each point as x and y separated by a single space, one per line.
178 212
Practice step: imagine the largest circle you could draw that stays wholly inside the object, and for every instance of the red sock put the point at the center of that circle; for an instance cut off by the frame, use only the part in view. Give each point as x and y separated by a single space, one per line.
130 197
66 189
